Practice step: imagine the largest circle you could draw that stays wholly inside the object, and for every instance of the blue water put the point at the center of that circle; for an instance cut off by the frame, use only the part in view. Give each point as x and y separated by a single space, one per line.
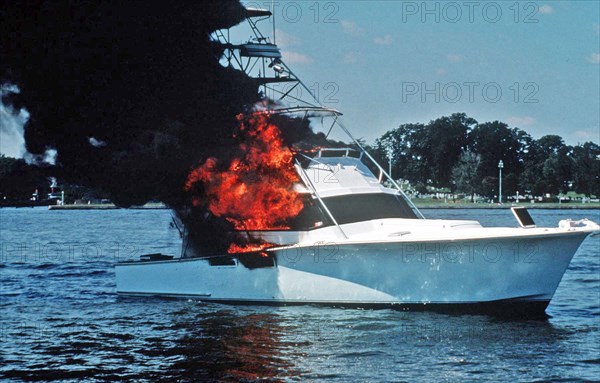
62 321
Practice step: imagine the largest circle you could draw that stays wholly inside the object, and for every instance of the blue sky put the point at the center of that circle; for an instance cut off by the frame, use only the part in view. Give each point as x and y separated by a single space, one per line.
534 65
384 57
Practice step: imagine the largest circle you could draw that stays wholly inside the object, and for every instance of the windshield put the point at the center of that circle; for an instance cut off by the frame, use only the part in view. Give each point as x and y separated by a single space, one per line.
364 207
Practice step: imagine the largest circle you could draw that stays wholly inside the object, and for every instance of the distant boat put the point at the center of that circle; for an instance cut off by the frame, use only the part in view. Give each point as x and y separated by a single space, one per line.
360 242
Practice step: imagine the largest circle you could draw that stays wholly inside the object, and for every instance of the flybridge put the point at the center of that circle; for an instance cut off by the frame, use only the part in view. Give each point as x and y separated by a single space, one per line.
260 58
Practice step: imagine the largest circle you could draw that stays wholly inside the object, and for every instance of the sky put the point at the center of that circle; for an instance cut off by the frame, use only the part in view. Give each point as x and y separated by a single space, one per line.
532 64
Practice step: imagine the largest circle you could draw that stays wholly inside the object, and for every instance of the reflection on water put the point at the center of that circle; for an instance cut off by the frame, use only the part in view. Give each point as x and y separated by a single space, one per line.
194 342
62 321
224 346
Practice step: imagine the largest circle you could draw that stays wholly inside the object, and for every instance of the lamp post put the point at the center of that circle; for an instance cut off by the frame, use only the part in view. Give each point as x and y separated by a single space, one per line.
500 166
390 153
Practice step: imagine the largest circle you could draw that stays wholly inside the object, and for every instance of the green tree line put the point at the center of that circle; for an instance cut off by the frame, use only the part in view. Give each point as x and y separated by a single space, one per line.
458 153
453 152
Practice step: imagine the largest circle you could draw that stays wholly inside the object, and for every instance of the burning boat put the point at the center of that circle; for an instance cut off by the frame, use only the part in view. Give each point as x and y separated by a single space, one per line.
334 228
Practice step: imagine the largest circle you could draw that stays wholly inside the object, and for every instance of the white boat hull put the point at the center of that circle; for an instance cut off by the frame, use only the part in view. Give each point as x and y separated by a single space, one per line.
472 274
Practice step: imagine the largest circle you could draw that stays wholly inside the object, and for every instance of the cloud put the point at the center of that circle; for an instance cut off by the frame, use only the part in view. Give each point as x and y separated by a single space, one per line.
521 120
291 57
96 142
546 9
597 28
594 58
351 28
383 40
455 58
584 134
12 141
12 144
285 40
352 57
441 71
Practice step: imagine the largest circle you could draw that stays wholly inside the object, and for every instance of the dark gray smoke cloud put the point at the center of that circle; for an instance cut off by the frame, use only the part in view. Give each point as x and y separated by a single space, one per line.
129 93
131 97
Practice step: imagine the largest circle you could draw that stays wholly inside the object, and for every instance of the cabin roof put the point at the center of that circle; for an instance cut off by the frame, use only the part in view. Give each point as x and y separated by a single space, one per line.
333 176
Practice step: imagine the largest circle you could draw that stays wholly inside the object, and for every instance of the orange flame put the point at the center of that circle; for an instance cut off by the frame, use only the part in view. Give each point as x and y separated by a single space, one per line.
255 192
249 248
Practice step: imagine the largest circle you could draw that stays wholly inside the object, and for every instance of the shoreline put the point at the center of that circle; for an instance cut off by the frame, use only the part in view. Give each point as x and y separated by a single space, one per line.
419 204
107 206
422 206
549 206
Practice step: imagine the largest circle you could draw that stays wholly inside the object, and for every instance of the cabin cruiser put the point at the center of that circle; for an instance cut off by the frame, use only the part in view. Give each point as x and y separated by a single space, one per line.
360 242
366 245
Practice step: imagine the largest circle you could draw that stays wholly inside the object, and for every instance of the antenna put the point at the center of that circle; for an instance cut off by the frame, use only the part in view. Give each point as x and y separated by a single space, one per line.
273 9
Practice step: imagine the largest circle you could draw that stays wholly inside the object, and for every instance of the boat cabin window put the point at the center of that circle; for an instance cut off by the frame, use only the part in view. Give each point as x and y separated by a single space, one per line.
364 207
351 208
311 217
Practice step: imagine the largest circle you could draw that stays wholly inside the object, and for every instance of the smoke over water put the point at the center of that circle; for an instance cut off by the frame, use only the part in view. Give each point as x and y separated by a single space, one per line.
132 98
12 142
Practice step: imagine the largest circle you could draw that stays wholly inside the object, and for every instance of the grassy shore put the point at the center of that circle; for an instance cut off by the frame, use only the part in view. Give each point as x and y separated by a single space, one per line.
104 206
440 204
420 203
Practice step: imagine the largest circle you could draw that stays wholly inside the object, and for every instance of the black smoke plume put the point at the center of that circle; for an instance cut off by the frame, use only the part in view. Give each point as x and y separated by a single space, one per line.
129 93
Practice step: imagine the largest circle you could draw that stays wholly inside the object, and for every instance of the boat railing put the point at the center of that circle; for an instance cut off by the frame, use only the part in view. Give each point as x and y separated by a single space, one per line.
312 159
308 182
269 55
382 172
346 151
